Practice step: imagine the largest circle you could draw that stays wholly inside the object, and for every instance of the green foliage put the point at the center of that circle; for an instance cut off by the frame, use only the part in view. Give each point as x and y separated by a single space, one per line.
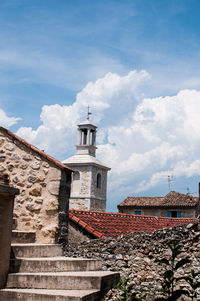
126 288
192 280
168 291
170 281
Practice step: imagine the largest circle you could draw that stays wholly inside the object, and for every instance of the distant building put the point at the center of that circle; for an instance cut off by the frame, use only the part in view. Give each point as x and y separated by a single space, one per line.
84 225
174 204
89 182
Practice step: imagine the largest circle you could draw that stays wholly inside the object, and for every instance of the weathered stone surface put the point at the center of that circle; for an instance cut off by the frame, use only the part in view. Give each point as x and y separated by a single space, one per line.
24 166
15 179
30 172
1 141
27 157
39 201
45 164
2 158
37 158
32 179
20 184
15 157
2 168
41 178
54 174
51 207
53 187
134 256
10 146
45 171
11 167
35 165
33 207
36 191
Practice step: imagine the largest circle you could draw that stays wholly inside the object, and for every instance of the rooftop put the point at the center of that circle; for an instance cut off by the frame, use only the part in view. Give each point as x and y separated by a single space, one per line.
107 224
84 159
35 149
172 199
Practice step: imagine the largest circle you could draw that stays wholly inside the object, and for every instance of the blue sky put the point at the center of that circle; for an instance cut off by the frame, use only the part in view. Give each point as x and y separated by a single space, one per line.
136 63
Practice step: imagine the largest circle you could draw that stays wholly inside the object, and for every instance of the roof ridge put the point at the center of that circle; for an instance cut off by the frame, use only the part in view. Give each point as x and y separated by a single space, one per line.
90 212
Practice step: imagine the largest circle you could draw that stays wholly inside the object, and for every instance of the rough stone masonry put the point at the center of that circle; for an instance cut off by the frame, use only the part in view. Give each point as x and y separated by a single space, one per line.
134 255
44 188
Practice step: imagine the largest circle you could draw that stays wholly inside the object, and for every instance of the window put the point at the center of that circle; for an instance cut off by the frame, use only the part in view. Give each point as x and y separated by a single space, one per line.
174 213
75 187
98 180
138 212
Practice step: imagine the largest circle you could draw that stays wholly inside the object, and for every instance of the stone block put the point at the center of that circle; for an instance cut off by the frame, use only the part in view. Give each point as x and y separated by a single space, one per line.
10 147
36 191
35 165
51 207
53 187
27 157
54 174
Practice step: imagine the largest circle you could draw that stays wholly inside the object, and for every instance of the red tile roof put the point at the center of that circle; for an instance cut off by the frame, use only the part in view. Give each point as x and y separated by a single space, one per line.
172 199
106 224
35 149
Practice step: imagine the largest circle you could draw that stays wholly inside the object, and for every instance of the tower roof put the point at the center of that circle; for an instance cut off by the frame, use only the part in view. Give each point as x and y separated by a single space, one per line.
87 122
84 160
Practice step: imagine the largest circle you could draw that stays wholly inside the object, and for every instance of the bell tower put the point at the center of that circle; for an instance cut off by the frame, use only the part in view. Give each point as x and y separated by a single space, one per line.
86 138
89 180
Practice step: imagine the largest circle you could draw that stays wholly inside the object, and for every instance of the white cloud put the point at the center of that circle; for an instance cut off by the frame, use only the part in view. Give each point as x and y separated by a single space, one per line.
142 140
108 97
7 121
162 138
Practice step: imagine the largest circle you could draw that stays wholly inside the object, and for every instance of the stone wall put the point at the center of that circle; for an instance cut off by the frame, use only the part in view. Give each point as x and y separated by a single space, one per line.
39 180
134 255
77 234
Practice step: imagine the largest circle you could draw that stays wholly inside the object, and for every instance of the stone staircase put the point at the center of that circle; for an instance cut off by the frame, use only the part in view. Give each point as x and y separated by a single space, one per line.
39 272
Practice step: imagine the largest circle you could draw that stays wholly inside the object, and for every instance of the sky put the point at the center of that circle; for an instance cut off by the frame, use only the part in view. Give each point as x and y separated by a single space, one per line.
136 63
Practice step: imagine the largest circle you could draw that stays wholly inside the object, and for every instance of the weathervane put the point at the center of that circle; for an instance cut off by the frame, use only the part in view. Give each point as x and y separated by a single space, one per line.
88 113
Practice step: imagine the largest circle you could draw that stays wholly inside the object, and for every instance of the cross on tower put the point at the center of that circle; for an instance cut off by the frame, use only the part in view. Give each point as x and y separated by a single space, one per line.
88 113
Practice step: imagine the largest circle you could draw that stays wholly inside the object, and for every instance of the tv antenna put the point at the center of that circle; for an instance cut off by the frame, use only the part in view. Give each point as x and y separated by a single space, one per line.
170 179
188 191
88 113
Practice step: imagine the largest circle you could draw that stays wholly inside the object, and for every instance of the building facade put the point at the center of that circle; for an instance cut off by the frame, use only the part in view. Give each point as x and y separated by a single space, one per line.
89 181
174 204
44 184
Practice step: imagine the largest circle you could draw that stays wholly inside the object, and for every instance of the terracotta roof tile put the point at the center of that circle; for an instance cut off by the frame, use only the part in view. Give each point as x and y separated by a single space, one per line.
106 224
35 149
172 199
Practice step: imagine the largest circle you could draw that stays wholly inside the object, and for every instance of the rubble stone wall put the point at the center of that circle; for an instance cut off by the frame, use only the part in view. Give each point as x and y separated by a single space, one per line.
37 206
134 255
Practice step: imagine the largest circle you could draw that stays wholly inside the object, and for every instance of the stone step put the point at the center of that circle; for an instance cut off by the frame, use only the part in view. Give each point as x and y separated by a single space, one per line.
36 250
23 236
102 280
48 295
54 264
